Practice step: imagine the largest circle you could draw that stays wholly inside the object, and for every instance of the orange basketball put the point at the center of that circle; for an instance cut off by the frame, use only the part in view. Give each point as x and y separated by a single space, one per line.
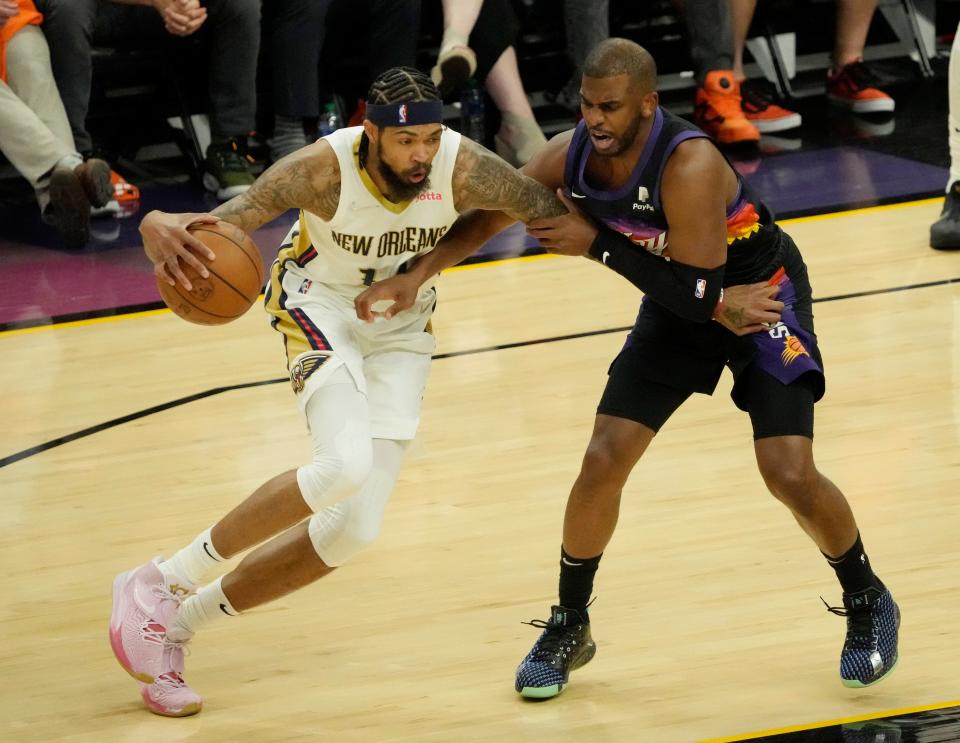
234 283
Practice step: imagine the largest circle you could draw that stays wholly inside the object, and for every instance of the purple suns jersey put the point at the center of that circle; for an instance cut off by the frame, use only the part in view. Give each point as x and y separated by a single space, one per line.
636 212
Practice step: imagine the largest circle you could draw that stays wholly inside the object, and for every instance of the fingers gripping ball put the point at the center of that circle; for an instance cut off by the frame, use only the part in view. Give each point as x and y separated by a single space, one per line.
235 280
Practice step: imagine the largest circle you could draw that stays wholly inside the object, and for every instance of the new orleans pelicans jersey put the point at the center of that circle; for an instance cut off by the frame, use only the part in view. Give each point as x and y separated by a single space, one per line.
370 238
635 209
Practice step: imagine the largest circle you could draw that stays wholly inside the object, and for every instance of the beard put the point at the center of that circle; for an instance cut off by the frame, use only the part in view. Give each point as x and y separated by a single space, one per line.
623 142
400 188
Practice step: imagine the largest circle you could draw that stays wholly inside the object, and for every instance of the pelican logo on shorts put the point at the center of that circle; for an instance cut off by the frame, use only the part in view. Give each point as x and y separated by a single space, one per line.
402 113
306 365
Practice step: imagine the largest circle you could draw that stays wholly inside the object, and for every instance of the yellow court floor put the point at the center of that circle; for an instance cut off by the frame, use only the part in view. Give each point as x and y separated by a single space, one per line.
708 618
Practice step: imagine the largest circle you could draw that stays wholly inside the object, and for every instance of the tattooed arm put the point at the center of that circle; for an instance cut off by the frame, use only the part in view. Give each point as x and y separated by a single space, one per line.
307 179
494 196
491 195
481 180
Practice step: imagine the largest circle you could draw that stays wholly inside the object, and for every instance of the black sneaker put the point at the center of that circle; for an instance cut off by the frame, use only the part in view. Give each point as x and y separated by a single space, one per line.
94 175
945 232
564 646
870 650
228 170
69 209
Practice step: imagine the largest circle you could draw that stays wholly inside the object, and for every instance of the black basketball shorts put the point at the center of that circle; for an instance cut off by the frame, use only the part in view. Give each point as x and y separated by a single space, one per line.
778 373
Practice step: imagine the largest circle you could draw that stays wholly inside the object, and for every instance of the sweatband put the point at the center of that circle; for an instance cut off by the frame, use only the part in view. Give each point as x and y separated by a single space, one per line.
688 291
409 113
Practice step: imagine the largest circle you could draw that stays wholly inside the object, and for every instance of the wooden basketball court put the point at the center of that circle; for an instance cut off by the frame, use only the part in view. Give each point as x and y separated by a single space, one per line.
708 618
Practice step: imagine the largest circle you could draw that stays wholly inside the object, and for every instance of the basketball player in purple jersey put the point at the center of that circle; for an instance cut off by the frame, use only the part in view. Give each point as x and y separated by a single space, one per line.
653 199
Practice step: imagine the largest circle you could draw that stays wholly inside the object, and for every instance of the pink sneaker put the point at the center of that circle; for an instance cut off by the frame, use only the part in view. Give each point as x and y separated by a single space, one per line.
169 695
143 608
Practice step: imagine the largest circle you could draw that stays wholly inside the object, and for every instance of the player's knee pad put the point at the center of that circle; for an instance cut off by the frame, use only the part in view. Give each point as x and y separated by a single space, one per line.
343 530
347 528
339 468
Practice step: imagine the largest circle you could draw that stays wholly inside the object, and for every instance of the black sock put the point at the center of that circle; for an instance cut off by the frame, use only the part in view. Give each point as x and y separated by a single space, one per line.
576 580
853 569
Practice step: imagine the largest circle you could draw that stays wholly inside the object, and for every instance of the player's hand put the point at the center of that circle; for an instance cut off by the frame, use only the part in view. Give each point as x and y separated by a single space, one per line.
401 290
750 308
568 234
181 17
166 242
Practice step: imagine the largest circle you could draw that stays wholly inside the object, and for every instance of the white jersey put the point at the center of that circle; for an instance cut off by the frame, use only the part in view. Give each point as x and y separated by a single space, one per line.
370 238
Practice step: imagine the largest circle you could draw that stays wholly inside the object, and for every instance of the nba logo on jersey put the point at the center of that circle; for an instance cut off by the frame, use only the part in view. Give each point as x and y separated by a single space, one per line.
402 113
701 289
305 286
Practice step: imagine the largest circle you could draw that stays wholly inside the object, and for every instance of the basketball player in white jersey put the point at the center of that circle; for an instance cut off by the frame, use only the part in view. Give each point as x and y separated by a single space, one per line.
371 198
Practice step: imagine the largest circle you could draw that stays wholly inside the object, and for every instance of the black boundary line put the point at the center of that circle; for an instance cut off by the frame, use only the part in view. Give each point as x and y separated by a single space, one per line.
452 354
130 417
470 261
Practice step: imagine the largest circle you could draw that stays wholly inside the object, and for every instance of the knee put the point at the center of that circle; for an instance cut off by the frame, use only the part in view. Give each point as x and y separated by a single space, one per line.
335 473
77 16
30 70
600 470
341 532
361 530
244 12
792 482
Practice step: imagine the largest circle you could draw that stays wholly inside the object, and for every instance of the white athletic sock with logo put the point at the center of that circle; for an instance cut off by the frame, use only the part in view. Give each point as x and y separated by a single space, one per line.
193 564
206 605
953 119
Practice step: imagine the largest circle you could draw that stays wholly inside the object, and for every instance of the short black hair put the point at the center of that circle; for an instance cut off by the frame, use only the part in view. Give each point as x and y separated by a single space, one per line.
401 84
615 56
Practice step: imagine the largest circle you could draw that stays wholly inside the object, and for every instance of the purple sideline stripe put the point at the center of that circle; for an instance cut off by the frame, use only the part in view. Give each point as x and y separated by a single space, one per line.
39 280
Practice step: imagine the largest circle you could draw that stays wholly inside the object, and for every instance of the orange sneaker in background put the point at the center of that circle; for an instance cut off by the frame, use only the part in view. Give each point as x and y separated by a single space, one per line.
854 88
762 111
718 110
123 191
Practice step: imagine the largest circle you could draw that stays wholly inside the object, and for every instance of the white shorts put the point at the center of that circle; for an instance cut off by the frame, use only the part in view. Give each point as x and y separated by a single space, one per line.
389 360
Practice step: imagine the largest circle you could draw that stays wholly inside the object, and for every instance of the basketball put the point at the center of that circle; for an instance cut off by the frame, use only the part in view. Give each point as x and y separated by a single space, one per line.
234 283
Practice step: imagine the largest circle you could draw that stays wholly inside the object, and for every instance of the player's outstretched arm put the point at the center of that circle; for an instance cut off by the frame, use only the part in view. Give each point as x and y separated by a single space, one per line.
491 195
307 179
697 183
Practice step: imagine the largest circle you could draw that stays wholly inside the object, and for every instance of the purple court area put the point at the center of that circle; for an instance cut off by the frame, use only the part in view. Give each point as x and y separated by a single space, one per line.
39 281
821 180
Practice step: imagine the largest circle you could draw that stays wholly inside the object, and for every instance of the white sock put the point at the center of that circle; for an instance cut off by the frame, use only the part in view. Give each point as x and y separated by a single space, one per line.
953 119
72 161
208 604
193 564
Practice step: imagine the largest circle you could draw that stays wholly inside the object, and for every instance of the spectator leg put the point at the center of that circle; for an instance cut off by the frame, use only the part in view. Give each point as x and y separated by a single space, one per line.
234 31
69 28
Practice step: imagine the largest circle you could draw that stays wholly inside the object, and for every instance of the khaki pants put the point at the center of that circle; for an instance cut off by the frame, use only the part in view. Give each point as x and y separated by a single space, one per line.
34 132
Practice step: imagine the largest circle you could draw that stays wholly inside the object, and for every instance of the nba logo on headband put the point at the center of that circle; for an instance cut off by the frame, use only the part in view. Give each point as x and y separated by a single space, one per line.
406 113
